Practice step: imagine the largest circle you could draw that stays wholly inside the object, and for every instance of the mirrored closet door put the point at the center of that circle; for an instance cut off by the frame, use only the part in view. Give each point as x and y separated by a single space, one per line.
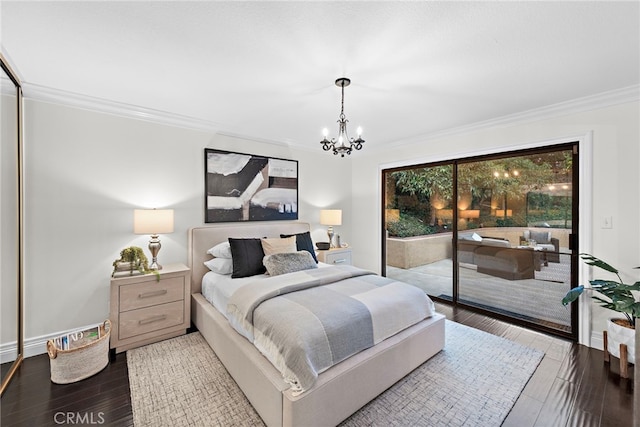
11 228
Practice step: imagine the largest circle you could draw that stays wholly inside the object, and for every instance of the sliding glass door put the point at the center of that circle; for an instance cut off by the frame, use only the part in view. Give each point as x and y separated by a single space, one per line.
493 233
418 206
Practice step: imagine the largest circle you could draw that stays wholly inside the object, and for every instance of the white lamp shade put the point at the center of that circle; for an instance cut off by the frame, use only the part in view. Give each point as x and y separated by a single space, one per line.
331 217
152 221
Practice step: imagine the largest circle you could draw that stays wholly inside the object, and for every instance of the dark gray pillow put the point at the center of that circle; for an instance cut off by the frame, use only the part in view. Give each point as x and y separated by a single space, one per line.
303 243
540 236
247 257
288 262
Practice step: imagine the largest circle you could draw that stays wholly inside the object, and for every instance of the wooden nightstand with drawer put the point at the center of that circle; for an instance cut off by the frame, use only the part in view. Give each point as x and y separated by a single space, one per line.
145 310
335 256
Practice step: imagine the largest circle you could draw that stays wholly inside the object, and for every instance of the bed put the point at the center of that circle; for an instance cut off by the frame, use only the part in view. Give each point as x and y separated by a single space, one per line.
338 391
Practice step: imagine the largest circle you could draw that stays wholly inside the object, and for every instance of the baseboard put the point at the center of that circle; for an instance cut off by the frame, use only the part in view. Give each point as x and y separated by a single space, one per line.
34 346
597 341
38 345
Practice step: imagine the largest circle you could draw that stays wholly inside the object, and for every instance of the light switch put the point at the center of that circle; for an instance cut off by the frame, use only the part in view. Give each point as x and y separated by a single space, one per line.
607 222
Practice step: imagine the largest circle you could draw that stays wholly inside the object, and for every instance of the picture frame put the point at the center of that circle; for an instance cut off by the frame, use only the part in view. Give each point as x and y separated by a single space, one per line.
249 187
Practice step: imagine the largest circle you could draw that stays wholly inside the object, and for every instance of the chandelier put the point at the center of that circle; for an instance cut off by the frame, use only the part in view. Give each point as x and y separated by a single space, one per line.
343 145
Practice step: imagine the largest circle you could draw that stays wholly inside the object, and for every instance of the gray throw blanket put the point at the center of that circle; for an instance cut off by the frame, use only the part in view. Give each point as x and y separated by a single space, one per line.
307 321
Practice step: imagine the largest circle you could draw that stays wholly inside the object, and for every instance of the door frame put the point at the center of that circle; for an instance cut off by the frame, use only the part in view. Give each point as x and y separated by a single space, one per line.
584 333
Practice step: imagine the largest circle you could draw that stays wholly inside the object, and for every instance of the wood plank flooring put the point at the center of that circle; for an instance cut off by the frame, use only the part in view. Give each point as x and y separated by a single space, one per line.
571 387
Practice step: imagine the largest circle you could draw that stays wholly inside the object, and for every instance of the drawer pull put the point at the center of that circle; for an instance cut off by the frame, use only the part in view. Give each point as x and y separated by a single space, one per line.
153 294
339 261
152 319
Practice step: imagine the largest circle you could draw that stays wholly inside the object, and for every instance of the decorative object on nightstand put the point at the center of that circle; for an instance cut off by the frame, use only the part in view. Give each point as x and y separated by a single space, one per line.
154 222
335 256
132 261
331 217
323 246
144 310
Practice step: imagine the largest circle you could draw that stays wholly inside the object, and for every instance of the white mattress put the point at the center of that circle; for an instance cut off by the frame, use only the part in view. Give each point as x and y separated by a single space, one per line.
218 288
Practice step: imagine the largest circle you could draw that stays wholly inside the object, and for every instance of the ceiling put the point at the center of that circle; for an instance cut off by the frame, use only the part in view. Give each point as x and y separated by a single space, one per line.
266 70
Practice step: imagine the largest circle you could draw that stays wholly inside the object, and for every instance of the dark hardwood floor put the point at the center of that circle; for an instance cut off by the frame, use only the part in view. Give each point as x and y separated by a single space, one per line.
571 387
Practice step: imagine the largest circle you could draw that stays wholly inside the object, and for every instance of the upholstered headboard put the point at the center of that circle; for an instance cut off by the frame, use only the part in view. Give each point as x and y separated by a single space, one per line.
203 238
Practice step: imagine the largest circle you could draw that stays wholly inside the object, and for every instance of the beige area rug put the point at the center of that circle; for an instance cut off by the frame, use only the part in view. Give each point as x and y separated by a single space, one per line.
474 381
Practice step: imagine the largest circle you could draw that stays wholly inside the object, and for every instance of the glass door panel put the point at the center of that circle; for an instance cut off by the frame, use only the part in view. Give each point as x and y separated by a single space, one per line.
514 223
418 221
491 233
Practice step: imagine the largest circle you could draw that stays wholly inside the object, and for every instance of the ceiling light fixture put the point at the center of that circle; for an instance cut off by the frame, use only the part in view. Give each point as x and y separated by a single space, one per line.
343 145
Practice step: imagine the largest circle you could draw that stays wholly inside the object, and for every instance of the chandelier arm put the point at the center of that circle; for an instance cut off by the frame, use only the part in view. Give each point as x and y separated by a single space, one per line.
343 144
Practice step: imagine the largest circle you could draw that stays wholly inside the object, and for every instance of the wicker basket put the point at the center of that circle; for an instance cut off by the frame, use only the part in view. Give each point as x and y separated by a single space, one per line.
68 366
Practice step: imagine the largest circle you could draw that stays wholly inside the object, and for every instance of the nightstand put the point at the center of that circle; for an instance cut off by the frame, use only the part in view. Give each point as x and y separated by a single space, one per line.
145 310
335 256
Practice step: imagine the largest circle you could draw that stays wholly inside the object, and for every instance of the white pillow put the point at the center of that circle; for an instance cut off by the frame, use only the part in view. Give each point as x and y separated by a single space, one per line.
476 237
220 265
278 245
221 250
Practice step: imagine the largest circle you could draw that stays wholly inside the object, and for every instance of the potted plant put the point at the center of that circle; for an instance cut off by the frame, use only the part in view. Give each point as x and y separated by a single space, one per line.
134 261
619 298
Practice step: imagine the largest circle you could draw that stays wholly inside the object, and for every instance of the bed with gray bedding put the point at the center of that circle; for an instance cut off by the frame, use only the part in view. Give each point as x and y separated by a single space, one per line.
348 334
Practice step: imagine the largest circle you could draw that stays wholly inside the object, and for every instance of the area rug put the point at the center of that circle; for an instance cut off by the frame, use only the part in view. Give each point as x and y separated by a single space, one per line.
474 381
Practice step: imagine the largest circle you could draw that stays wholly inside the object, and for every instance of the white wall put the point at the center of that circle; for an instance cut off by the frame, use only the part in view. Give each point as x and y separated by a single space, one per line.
85 173
616 178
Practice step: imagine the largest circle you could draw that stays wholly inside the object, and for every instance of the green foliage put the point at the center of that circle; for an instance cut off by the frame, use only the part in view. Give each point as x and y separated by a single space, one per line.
137 260
408 226
477 176
426 181
618 294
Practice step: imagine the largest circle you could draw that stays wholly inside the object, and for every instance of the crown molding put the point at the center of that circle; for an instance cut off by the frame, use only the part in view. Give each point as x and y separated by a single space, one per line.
587 103
84 102
592 102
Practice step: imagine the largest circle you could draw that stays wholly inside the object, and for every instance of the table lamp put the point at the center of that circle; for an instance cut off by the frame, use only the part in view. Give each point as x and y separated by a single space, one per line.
331 217
154 222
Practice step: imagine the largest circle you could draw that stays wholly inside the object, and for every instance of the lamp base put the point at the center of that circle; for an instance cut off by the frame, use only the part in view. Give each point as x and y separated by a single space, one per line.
154 248
330 233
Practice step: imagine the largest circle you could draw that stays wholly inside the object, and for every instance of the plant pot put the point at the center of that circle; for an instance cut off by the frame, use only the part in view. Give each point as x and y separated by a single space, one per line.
616 335
126 268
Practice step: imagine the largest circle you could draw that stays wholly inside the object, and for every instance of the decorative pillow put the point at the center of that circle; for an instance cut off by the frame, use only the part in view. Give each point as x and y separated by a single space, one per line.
288 262
220 265
276 246
247 257
476 237
540 236
303 243
221 250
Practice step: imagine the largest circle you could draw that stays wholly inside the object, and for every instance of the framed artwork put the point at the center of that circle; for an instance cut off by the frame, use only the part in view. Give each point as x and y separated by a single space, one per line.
248 187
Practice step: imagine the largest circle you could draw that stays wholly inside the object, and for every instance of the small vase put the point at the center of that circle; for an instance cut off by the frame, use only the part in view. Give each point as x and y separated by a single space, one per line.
616 335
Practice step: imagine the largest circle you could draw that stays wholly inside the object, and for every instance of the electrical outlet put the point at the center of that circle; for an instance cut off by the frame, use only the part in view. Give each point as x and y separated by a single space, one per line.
607 222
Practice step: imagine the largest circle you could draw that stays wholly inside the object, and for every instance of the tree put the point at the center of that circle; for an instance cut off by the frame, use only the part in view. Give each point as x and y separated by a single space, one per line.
509 179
